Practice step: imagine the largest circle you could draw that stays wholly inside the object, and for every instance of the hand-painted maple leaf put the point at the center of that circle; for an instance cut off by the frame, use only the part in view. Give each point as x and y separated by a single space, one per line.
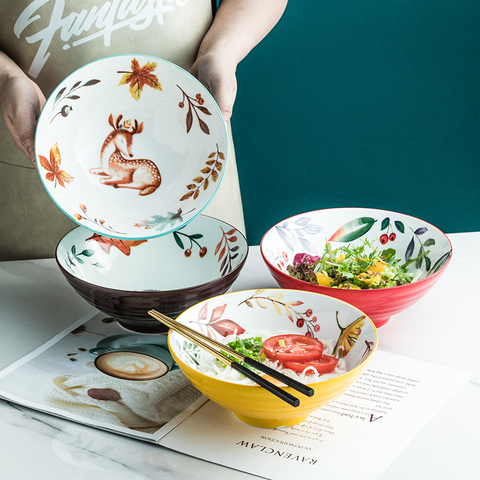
106 243
139 77
53 168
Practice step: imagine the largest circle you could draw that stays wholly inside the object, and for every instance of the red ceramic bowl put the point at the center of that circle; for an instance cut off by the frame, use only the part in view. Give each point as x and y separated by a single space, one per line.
309 232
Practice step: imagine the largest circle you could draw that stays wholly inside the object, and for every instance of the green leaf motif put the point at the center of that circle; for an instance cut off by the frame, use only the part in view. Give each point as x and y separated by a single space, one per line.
75 85
353 229
428 263
60 93
178 240
439 263
400 226
385 223
91 82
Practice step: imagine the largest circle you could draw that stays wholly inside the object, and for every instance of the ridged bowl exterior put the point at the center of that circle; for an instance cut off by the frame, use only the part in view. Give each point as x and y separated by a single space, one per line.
256 406
379 304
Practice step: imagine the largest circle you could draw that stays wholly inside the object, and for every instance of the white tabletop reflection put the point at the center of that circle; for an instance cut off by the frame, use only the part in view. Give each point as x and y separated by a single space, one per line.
36 303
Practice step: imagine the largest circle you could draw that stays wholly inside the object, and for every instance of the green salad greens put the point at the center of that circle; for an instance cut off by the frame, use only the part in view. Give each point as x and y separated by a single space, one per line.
353 267
250 347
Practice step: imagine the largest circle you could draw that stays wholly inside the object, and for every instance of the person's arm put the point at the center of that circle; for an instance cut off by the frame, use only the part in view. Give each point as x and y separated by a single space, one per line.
238 27
21 102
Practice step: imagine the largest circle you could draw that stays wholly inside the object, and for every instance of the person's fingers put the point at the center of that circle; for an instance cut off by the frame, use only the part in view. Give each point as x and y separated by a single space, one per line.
222 84
21 112
225 97
21 126
26 134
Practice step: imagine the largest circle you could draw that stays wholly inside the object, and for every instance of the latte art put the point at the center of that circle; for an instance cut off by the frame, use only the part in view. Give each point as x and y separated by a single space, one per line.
130 366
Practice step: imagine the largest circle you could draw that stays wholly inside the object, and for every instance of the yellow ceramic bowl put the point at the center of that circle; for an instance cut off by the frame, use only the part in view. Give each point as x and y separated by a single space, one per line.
269 312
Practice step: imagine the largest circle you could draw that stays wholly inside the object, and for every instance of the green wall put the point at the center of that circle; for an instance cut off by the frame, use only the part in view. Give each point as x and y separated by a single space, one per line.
368 103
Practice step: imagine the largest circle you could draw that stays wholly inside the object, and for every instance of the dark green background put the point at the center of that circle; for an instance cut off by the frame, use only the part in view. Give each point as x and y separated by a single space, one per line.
368 103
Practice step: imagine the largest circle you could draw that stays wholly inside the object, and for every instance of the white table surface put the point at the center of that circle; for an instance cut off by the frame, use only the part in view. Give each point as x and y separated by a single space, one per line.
442 328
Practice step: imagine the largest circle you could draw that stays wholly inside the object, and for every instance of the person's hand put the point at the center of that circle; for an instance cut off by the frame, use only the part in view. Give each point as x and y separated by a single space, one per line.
217 73
237 27
21 102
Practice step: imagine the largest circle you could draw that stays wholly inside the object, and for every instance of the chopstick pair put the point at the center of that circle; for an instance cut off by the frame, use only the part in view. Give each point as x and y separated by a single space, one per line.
214 347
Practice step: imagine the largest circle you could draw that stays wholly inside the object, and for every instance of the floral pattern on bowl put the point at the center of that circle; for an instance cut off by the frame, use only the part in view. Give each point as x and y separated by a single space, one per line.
126 278
305 321
410 237
267 312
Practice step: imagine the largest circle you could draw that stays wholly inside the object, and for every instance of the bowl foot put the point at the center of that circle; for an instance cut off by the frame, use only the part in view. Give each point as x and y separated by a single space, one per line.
142 325
379 322
272 422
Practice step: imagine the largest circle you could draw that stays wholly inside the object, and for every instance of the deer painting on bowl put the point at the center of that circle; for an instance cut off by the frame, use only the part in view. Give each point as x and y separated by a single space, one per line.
119 171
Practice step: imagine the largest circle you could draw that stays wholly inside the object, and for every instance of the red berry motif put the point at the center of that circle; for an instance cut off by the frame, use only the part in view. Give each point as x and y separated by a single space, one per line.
384 239
203 252
316 328
188 252
309 312
300 323
392 237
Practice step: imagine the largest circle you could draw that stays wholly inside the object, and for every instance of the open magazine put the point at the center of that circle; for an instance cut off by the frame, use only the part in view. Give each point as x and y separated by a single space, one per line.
99 374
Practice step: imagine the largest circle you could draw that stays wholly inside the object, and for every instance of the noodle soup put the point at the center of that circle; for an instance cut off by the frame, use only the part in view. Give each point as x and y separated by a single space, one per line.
345 332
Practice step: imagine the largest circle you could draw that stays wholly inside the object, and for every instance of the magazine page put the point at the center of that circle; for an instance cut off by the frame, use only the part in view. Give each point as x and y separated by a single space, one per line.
99 374
358 435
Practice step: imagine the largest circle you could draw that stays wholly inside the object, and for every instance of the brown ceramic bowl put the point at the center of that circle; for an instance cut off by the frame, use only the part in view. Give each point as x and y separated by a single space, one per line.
126 278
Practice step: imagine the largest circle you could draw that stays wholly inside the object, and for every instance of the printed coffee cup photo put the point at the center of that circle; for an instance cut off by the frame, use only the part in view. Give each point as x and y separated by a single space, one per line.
130 357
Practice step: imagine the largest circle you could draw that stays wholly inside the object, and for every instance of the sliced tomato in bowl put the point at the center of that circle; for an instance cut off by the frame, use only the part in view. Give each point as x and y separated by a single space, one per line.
325 364
292 348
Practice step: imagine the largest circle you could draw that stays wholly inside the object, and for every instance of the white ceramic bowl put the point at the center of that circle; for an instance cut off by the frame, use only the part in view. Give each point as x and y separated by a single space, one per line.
131 146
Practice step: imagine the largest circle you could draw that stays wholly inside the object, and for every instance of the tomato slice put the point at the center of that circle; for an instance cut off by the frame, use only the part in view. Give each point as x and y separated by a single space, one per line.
326 364
292 348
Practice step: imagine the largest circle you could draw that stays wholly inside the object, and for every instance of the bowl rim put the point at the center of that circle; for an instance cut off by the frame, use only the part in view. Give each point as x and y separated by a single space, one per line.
331 380
159 60
197 286
322 288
